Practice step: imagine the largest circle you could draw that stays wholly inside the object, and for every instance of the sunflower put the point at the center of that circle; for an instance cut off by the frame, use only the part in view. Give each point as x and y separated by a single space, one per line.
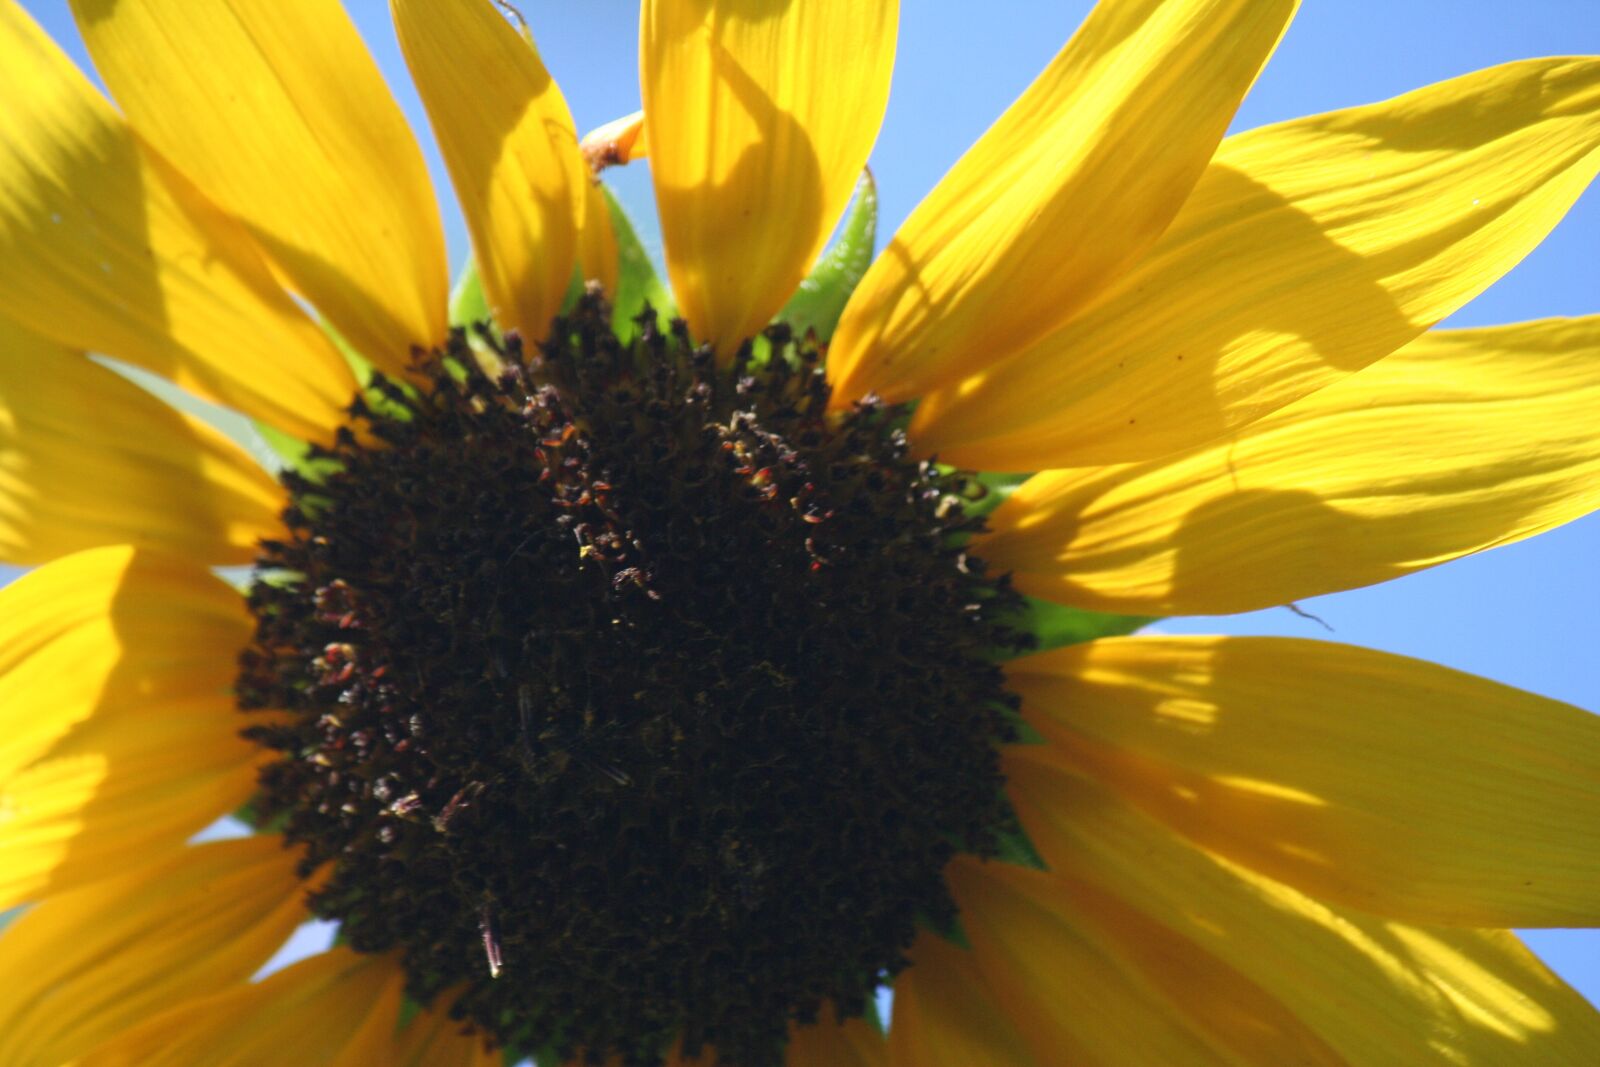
635 686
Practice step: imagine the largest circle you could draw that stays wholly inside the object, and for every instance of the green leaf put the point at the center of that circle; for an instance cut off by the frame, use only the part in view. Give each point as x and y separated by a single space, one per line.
820 299
637 282
468 305
1056 625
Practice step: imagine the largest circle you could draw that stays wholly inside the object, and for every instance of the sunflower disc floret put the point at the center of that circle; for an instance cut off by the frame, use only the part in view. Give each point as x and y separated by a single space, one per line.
632 698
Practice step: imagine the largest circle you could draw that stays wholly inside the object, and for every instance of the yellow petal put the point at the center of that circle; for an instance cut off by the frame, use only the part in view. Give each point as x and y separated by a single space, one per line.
509 142
117 735
1066 191
430 1039
618 142
1380 782
87 458
1375 991
830 1044
313 1010
1068 992
760 117
104 248
1462 440
276 111
433 1039
1069 999
1307 251
87 964
945 1014
599 258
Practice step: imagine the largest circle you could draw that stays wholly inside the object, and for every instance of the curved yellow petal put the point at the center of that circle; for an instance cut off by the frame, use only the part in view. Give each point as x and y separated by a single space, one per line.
1388 784
599 257
1078 999
1461 441
946 1015
314 1009
855 1043
278 113
117 734
618 142
87 458
760 117
433 1039
87 964
512 150
104 248
1068 189
1060 991
429 1039
1307 251
1374 991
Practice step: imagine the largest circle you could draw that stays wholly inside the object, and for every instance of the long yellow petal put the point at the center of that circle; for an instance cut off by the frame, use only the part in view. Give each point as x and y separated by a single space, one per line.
117 736
760 117
1376 992
312 1011
828 1044
1067 190
1067 997
1307 251
104 248
946 1015
433 1039
1462 440
87 964
87 458
1388 784
512 152
599 257
276 111
430 1039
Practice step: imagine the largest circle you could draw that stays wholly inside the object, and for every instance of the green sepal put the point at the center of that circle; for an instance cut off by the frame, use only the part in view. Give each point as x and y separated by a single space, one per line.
637 281
574 290
468 304
1012 844
874 1018
1054 625
295 454
1015 848
952 932
821 298
997 490
1024 731
251 815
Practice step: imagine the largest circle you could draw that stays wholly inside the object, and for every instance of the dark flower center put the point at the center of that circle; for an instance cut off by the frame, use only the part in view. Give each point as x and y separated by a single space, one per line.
632 700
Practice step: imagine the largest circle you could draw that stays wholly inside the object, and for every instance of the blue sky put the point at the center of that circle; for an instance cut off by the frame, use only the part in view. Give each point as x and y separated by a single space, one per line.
1525 614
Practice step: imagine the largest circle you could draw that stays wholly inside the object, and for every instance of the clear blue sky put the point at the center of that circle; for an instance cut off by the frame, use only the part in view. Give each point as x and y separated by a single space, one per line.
1525 614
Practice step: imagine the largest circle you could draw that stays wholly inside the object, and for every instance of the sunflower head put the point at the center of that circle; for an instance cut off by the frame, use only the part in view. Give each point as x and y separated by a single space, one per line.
622 671
635 671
